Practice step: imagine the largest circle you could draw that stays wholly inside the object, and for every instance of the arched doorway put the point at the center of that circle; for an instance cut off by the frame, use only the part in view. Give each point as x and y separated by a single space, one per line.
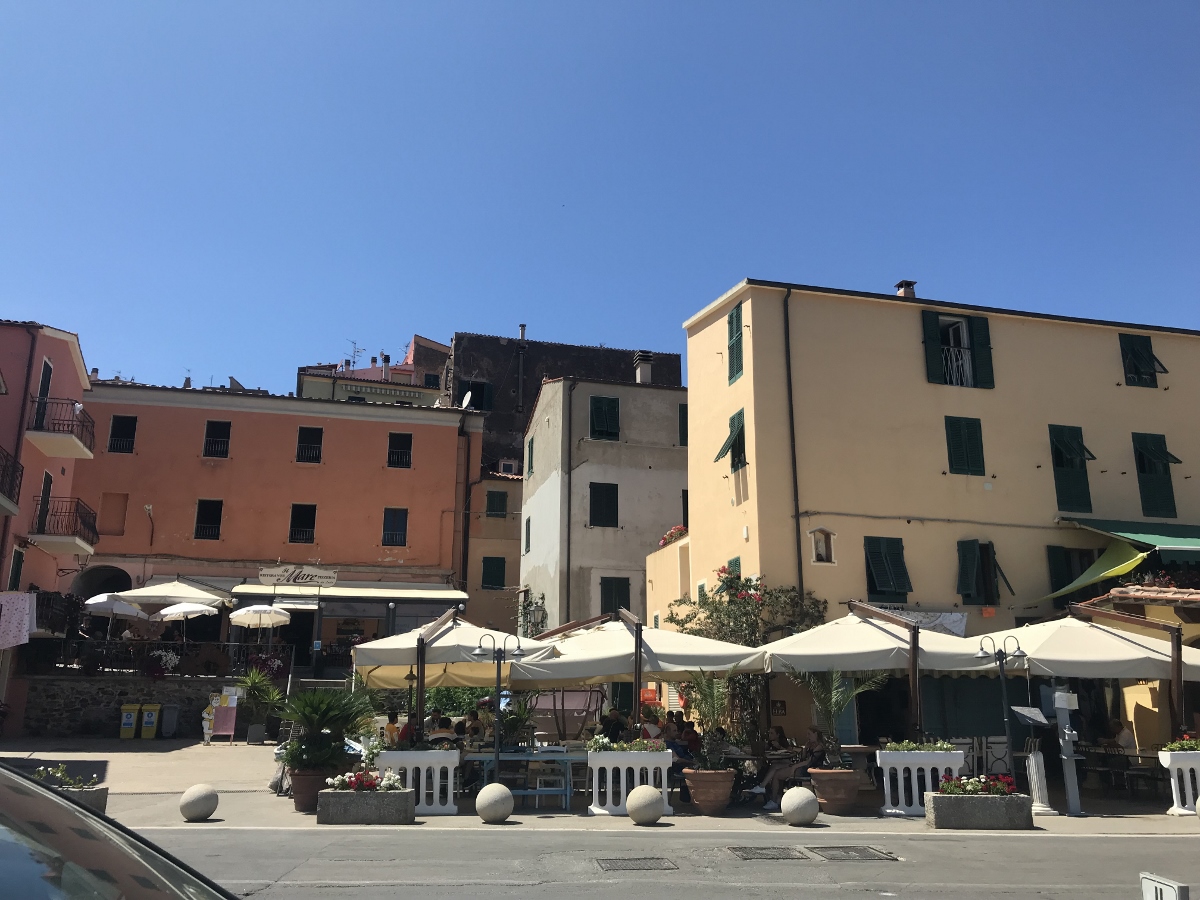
101 580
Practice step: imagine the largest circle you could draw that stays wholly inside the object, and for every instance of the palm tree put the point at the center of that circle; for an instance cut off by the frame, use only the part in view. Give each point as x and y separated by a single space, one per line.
832 695
708 698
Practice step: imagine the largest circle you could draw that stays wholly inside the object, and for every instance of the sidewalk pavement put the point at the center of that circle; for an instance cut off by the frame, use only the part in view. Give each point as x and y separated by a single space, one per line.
146 778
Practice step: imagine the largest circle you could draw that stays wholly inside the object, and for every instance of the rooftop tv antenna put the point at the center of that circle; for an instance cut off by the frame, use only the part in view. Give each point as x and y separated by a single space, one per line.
355 352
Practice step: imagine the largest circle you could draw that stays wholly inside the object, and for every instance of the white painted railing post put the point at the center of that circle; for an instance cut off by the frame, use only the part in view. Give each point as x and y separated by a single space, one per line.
623 771
911 768
427 772
1184 769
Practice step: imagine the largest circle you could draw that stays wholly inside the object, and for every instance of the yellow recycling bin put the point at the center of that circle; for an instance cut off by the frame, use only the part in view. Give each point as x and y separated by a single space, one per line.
150 713
129 720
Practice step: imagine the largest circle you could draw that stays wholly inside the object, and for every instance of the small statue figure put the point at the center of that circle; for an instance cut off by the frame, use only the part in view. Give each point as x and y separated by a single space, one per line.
206 717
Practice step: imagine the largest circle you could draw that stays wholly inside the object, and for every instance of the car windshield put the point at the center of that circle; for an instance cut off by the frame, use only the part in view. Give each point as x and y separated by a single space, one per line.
51 849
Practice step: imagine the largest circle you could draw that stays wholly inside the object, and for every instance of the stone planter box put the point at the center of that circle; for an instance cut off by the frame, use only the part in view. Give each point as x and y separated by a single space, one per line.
985 812
917 772
366 807
95 798
1184 769
429 773
622 772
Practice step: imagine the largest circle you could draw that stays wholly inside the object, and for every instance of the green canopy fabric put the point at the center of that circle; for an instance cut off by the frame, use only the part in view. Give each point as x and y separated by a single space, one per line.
1117 559
1151 535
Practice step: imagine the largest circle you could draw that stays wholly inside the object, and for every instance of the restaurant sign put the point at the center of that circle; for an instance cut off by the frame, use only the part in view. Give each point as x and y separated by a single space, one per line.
301 576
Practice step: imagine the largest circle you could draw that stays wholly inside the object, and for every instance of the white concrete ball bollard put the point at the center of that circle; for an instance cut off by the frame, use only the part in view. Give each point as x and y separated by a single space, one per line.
494 803
644 804
799 806
198 802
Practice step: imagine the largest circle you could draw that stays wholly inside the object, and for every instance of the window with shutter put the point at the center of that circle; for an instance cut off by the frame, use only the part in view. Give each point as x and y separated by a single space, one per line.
1142 367
958 350
529 459
606 419
493 573
981 352
684 520
1066 564
887 574
1153 462
497 504
683 425
734 322
935 373
603 513
614 595
735 444
735 567
979 574
1070 458
964 446
968 571
527 529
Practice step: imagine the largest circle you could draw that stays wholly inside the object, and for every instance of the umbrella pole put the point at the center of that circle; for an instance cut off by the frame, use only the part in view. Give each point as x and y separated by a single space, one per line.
914 678
420 689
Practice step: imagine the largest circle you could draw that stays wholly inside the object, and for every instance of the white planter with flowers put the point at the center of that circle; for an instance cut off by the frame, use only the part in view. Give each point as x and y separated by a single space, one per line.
918 769
1184 768
617 771
430 773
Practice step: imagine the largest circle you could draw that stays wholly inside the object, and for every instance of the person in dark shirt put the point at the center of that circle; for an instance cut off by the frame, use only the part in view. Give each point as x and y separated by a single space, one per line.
813 758
614 726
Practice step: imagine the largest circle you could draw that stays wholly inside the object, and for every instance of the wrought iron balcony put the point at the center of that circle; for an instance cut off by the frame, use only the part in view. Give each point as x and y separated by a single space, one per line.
399 459
308 453
59 520
120 445
208 532
217 448
958 366
11 474
395 538
60 427
302 535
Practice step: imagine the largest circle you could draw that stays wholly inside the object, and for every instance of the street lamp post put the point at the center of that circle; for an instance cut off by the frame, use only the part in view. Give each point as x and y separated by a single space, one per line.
498 656
1001 655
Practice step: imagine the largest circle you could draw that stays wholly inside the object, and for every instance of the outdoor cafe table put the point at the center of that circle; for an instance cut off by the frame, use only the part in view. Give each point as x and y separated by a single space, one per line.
566 762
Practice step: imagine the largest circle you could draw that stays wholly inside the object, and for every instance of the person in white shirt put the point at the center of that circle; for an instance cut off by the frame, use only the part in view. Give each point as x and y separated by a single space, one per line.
651 728
1124 735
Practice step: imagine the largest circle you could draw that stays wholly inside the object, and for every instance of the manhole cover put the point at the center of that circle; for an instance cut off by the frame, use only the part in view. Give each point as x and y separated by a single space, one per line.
639 864
851 854
767 853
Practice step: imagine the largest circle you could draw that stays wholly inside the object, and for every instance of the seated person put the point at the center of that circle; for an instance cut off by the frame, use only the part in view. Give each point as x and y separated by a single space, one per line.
435 716
814 758
444 731
651 729
613 726
1122 735
670 731
408 733
391 731
472 726
460 727
691 738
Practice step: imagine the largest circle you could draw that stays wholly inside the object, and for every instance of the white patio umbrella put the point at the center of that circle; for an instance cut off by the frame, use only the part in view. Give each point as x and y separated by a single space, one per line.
114 607
176 592
1074 648
183 612
854 643
448 656
260 616
607 652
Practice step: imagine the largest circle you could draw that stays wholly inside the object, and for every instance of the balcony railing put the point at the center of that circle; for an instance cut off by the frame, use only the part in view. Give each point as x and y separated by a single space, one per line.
120 445
395 538
167 658
956 363
399 459
308 453
61 417
208 532
66 517
11 474
216 447
301 535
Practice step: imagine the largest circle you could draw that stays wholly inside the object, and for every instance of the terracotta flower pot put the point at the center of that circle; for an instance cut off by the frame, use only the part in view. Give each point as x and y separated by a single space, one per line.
306 784
710 790
836 789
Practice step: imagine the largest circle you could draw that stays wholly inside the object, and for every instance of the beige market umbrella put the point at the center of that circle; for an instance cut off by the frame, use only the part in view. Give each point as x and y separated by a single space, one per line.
115 607
175 592
608 652
448 656
260 616
181 612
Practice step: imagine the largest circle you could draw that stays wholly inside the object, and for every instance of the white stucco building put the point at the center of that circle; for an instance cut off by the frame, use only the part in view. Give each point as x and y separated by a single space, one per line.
605 478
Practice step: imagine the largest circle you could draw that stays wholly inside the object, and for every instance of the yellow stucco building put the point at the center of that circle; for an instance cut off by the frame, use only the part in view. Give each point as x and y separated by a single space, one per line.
939 457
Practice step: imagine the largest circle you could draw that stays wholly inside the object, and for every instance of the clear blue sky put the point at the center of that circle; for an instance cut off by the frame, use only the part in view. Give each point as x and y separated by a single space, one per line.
240 188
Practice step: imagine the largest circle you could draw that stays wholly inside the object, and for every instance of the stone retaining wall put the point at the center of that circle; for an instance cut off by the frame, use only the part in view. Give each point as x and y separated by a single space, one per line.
83 705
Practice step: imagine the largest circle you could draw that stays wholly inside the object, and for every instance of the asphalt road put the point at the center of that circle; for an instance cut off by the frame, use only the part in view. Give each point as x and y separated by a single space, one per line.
432 863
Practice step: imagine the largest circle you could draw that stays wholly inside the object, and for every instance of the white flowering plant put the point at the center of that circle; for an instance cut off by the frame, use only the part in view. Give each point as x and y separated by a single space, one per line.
168 659
390 781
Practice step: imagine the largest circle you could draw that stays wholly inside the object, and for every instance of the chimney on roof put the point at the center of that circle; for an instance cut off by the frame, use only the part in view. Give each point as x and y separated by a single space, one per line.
187 382
374 360
95 373
906 289
387 362
642 361
522 326
346 364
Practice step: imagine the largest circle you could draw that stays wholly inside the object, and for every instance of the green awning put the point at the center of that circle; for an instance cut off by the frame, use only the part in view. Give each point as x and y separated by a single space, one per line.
1118 559
1147 535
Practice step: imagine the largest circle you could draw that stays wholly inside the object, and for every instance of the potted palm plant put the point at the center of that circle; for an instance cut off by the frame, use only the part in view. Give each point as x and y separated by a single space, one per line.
325 718
710 781
836 785
262 699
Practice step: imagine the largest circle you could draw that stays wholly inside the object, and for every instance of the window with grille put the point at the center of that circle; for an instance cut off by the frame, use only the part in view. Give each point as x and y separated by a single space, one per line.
303 527
399 450
208 520
308 445
216 440
395 527
121 434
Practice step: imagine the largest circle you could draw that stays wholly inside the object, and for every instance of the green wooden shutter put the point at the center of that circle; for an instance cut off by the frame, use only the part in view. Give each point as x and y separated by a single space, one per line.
497 504
877 564
1060 567
894 550
737 452
981 351
735 566
606 418
1154 475
968 571
599 418
735 343
527 529
683 425
529 459
614 595
493 573
1069 457
935 371
964 446
614 418
973 433
1138 359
